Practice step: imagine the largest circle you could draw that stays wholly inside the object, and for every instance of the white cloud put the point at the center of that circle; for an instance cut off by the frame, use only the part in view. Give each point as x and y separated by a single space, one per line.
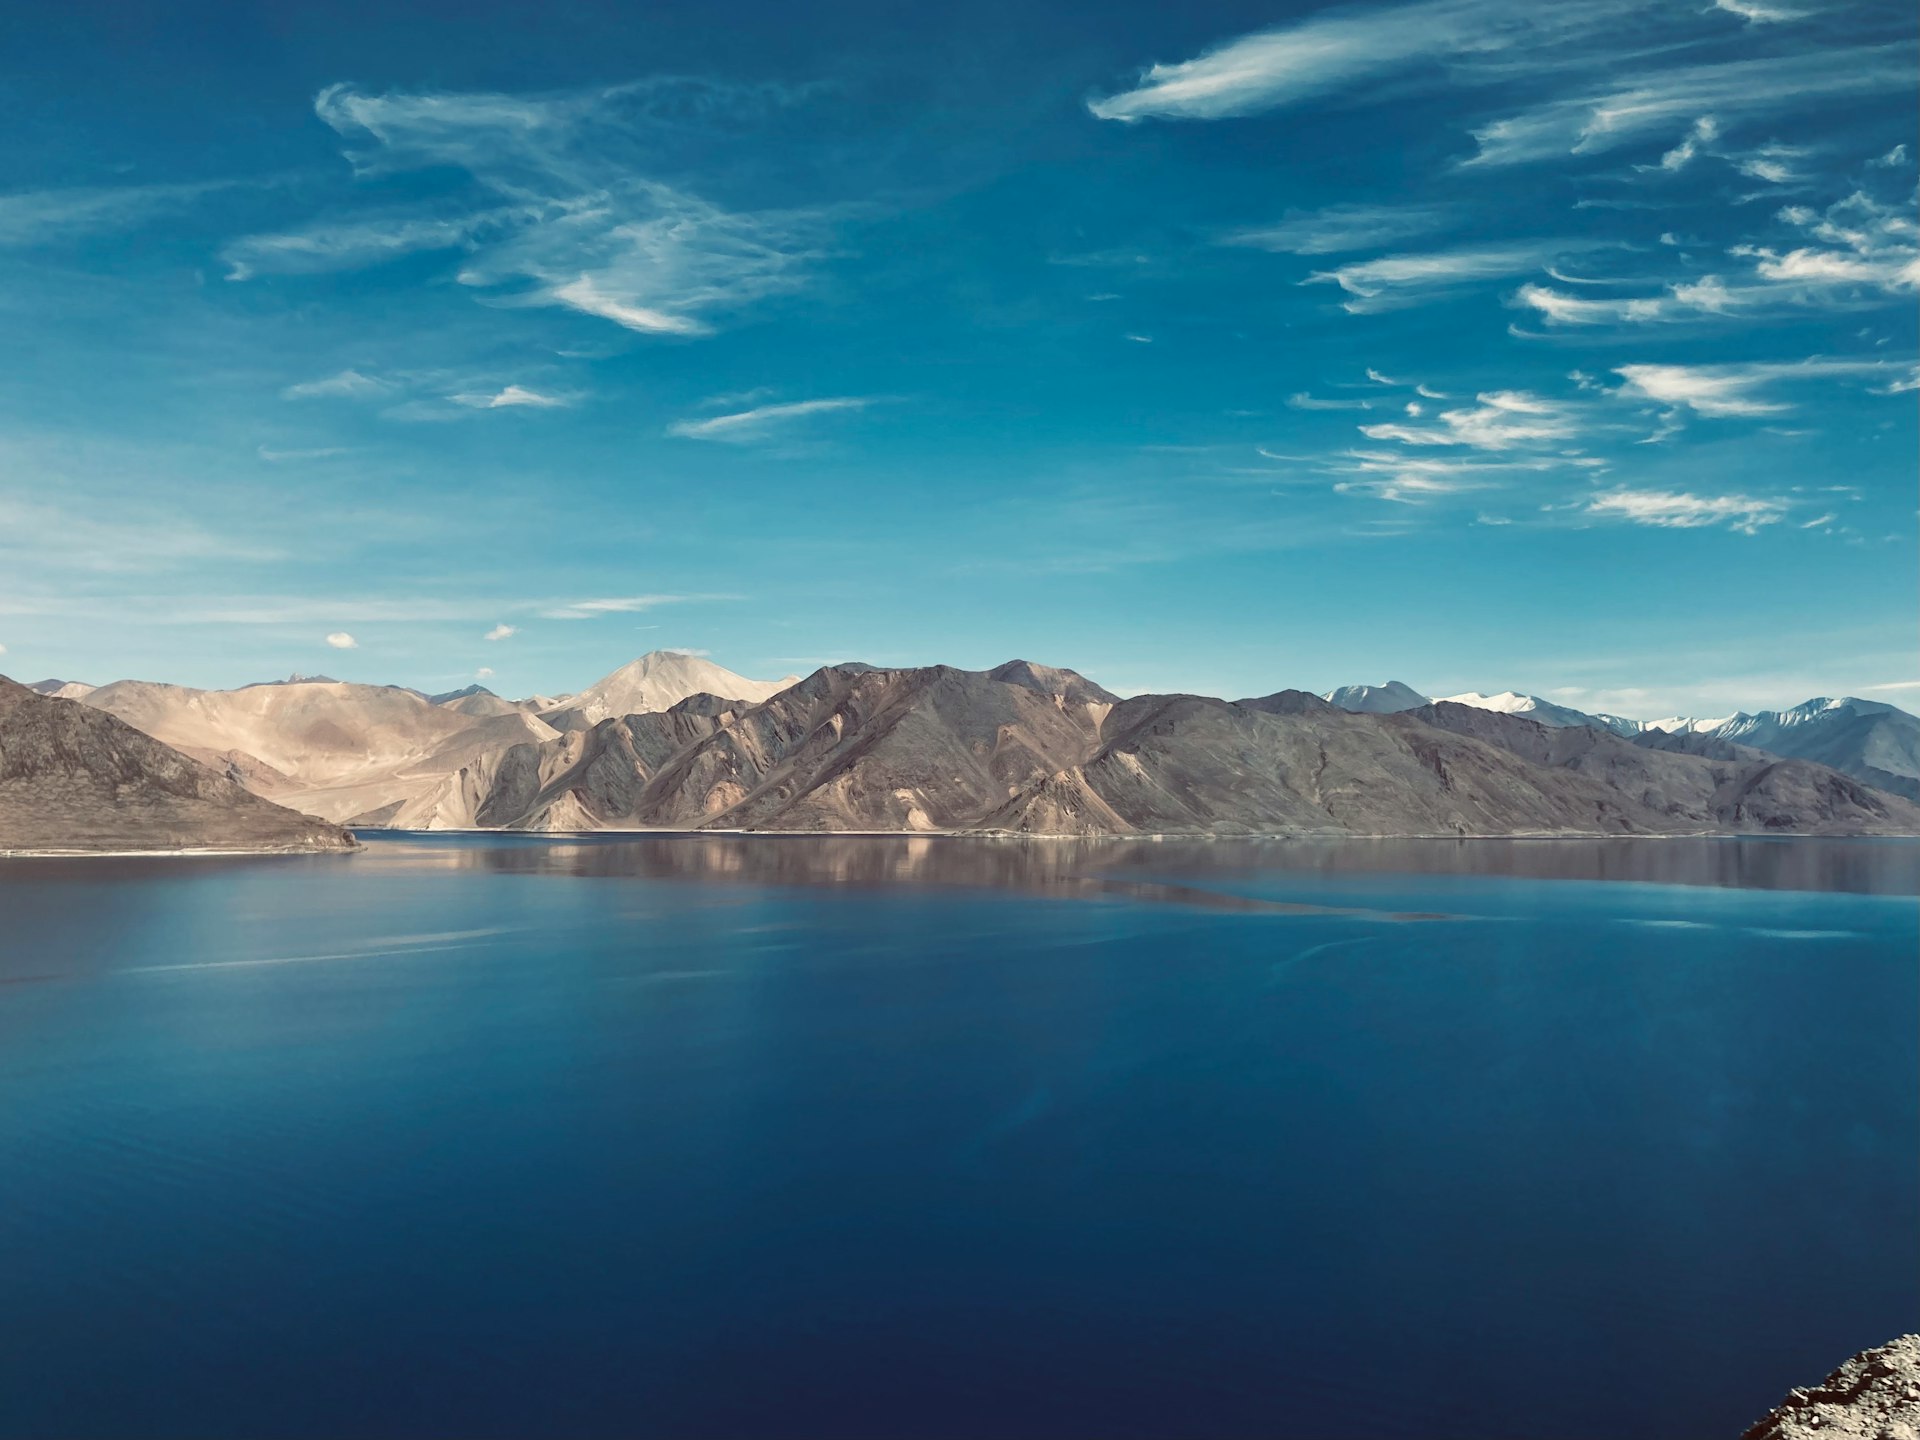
352 245
501 632
512 397
1503 420
621 605
341 640
1564 309
1304 401
1867 249
1704 132
1730 390
1395 280
563 211
1340 227
1756 12
347 385
1819 521
35 217
1650 104
1285 65
1680 510
1414 479
586 295
748 427
485 672
1894 157
1895 685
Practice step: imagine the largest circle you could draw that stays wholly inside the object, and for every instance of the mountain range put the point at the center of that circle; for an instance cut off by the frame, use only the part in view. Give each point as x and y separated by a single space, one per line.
673 741
1867 739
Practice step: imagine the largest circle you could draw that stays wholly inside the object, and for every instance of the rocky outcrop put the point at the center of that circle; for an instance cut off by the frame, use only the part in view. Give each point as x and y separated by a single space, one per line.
73 778
1874 1396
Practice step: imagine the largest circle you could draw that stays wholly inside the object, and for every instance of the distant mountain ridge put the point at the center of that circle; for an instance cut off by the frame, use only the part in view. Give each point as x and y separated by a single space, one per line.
1867 739
1035 749
1023 747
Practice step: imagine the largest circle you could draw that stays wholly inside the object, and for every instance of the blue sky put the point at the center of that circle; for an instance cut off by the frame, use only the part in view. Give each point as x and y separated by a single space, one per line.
1475 343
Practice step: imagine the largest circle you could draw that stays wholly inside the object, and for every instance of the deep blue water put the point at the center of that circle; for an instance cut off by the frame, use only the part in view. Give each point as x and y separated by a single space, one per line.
737 1137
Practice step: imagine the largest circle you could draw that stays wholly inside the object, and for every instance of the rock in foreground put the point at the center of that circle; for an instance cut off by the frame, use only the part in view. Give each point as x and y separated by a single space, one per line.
76 779
1874 1396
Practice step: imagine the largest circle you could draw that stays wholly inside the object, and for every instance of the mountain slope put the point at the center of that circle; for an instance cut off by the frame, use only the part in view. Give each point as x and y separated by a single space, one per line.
1186 764
1869 740
339 750
1729 788
77 779
1027 749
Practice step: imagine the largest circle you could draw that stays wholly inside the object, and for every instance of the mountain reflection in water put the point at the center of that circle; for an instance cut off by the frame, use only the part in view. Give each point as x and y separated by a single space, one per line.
1170 869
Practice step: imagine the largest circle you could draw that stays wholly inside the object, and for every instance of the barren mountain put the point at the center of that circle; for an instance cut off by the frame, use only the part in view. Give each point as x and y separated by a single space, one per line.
657 681
1733 788
1187 764
75 779
848 748
336 749
1032 749
61 689
475 700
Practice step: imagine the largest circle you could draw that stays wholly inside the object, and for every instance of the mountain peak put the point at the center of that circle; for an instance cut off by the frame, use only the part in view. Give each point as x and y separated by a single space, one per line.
661 679
1387 699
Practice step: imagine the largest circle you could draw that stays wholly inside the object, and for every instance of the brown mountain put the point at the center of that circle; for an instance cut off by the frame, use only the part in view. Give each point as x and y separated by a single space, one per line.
73 778
1727 787
1032 749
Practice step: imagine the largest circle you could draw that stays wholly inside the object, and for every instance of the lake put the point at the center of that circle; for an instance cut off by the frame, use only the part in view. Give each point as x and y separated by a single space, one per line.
740 1136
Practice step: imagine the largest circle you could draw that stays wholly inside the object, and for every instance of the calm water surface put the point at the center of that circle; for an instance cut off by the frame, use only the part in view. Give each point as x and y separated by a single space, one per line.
478 1136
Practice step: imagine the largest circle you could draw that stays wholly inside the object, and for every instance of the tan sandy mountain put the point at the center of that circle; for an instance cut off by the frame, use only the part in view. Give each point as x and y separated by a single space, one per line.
657 681
335 749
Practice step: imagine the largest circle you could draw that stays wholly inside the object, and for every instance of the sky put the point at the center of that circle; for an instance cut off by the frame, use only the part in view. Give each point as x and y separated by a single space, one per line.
1479 344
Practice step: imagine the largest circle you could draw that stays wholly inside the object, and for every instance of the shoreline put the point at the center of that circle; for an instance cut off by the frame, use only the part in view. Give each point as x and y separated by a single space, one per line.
1160 837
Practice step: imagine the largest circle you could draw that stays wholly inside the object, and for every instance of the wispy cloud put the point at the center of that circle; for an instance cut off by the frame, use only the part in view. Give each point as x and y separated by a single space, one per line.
1865 252
501 632
511 397
1286 65
1338 228
1304 401
1724 391
1503 420
347 385
352 245
1757 12
1681 510
1653 104
565 212
34 217
763 422
1396 280
621 605
318 452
